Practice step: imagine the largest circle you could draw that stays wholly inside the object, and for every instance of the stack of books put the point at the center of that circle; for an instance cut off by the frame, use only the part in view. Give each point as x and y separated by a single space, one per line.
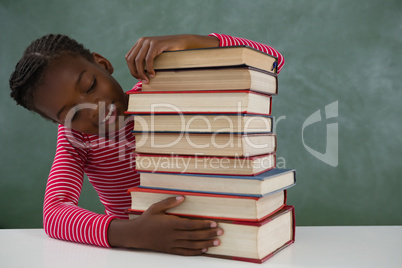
203 130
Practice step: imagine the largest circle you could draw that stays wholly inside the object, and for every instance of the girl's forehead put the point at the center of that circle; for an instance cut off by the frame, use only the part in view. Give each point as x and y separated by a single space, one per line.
61 71
59 84
64 71
71 61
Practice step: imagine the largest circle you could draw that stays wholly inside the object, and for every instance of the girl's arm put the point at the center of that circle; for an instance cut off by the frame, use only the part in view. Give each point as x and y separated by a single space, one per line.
227 40
62 218
143 53
154 230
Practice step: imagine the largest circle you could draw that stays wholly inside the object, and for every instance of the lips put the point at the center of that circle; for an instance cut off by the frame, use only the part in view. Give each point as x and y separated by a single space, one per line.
110 114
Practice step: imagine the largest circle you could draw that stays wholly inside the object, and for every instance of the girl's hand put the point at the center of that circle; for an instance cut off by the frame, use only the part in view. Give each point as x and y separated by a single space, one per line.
154 230
141 56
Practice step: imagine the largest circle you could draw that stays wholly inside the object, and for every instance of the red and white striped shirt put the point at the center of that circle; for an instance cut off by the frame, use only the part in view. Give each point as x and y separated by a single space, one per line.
110 166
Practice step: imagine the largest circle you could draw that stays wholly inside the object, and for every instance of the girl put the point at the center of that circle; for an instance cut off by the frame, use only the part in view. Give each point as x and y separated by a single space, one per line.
67 84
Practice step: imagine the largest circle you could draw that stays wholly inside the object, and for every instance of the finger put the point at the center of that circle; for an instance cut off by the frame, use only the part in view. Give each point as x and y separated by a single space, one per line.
166 204
139 62
187 224
205 234
149 59
130 59
132 49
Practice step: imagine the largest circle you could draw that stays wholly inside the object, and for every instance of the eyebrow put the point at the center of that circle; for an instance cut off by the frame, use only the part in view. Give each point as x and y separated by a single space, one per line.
76 86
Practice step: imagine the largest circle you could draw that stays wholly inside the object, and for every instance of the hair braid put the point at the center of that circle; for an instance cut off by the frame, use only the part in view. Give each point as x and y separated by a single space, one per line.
31 68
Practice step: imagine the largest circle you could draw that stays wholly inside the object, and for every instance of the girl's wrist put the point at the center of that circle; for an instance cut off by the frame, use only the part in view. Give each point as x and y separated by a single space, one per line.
117 232
201 41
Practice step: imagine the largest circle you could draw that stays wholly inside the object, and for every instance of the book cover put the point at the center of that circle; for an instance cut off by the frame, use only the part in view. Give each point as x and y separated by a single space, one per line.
195 102
266 175
237 145
241 123
210 205
232 241
201 164
241 55
257 186
282 246
215 78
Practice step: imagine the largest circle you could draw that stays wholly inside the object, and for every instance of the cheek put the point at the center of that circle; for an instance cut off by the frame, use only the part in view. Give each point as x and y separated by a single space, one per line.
112 89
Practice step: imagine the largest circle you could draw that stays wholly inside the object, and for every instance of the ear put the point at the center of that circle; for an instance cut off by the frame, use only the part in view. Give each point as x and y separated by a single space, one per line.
103 62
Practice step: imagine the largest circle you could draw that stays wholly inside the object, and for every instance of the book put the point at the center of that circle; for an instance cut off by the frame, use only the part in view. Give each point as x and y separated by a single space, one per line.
214 79
209 205
216 57
220 101
253 241
203 123
201 164
236 145
259 185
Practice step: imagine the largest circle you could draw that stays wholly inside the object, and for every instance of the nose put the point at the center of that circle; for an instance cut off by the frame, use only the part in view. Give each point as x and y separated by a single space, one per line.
94 107
99 107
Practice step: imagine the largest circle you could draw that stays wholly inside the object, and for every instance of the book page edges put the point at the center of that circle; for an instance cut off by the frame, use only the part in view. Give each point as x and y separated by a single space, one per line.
270 255
242 221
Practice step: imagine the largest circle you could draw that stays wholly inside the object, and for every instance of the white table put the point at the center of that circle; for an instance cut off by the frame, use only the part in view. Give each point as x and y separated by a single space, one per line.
359 246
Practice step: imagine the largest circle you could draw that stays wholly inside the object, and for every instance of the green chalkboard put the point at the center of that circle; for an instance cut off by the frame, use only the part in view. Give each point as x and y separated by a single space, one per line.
337 113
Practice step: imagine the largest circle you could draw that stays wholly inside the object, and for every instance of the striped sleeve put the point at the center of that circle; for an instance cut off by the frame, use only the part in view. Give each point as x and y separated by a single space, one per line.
62 218
226 40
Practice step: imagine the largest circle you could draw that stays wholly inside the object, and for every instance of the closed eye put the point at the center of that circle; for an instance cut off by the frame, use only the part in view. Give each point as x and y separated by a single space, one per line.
75 115
93 86
71 116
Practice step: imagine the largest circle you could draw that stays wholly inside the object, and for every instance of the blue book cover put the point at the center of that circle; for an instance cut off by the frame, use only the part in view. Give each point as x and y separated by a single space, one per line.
275 173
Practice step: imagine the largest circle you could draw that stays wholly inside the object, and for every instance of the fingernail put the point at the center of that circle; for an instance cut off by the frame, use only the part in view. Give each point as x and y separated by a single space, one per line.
219 232
216 243
213 224
179 198
204 250
144 81
151 75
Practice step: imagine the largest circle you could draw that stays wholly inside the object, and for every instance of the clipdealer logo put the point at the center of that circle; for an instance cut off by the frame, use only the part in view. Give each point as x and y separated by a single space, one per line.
330 156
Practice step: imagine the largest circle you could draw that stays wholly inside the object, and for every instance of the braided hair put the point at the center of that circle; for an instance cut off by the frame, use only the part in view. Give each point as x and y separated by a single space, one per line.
30 69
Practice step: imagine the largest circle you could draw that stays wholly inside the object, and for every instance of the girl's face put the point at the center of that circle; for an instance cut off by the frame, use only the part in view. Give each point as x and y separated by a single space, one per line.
82 95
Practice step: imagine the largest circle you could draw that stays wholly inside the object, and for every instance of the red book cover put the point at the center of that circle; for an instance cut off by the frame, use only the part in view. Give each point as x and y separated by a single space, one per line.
270 255
188 193
284 210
